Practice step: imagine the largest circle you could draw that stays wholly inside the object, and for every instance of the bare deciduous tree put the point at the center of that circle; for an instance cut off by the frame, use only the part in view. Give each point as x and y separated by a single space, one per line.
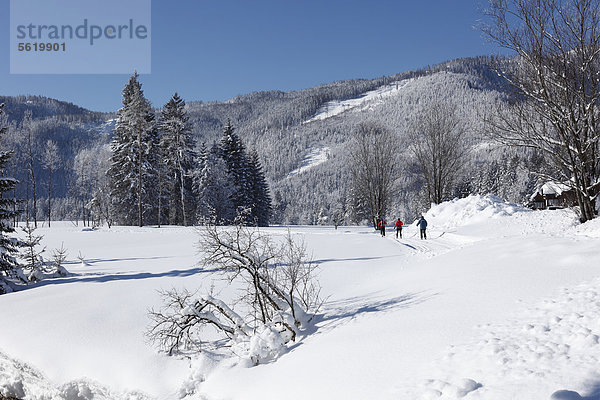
50 161
281 293
436 139
28 128
556 75
373 167
92 185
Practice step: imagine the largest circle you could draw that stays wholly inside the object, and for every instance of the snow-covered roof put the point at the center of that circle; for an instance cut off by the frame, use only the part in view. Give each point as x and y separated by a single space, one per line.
554 188
550 188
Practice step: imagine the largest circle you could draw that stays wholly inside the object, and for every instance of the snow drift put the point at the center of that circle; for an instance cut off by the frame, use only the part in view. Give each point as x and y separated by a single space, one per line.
470 210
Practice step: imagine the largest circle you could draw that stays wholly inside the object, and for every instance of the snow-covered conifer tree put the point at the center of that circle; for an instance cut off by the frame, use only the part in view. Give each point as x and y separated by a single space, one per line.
232 151
177 149
214 189
8 245
134 160
259 191
197 180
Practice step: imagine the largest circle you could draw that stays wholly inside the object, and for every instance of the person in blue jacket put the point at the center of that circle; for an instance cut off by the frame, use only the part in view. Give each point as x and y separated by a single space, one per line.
423 226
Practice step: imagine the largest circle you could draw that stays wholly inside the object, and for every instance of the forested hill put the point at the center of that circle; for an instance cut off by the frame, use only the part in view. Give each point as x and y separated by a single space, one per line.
44 107
302 136
275 110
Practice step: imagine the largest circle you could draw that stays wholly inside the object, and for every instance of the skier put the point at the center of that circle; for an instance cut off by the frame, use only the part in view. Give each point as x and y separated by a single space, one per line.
423 226
382 225
398 227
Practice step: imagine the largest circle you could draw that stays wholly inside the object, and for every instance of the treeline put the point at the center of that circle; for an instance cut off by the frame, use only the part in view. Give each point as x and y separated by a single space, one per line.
45 136
156 177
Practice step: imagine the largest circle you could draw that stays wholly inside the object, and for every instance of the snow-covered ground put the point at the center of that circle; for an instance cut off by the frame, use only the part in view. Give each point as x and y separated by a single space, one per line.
499 303
361 103
313 158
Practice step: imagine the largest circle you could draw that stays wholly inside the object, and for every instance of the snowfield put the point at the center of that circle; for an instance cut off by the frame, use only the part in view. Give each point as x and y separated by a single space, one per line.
499 303
313 158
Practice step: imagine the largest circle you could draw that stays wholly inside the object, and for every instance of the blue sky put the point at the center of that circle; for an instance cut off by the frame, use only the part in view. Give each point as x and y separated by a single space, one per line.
214 50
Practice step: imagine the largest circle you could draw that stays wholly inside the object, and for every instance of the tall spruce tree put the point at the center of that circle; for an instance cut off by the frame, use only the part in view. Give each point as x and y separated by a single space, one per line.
228 182
8 245
259 191
134 160
177 150
232 151
162 193
213 188
197 181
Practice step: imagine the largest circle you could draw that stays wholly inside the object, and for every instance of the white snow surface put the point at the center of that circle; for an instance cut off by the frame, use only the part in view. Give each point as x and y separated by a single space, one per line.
364 102
499 303
313 158
550 188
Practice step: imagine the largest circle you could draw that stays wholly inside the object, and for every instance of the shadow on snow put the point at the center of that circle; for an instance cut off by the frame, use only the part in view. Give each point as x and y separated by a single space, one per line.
326 260
593 393
353 307
103 278
340 312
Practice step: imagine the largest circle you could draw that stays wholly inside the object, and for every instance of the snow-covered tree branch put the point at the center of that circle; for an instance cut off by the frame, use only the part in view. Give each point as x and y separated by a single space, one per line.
556 76
280 296
436 138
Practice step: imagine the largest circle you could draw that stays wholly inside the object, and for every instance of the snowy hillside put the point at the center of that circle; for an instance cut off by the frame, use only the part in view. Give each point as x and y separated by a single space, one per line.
500 303
312 159
361 103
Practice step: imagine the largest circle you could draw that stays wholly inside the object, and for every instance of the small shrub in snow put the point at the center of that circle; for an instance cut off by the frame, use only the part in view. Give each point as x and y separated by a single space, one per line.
280 298
58 258
35 269
81 259
31 255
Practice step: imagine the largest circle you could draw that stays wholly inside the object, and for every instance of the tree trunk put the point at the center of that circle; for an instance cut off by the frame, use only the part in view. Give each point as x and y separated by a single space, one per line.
34 209
49 195
182 188
160 189
140 164
32 178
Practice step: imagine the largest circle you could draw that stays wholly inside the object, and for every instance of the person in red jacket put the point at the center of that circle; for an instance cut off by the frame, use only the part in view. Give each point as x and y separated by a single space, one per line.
398 227
382 225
